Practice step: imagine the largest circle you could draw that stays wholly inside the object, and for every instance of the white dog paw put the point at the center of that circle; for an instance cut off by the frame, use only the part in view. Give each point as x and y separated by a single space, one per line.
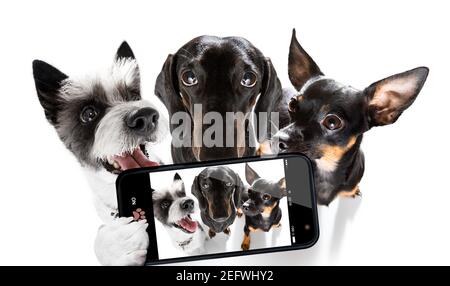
122 242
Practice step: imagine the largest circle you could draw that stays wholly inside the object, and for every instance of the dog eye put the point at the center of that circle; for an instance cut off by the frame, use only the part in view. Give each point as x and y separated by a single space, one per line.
248 79
188 78
228 184
205 185
332 122
266 197
292 106
165 204
88 114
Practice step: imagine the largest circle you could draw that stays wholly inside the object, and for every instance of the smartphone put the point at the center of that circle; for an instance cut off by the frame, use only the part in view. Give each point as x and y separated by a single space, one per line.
222 208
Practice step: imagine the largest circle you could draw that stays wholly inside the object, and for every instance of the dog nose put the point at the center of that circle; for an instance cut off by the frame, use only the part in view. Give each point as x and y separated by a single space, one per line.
187 205
143 121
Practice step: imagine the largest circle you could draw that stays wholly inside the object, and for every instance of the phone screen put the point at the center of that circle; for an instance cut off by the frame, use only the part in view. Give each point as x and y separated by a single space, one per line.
218 209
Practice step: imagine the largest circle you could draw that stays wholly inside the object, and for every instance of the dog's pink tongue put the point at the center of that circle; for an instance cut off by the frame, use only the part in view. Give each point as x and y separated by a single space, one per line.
135 160
188 224
142 160
126 162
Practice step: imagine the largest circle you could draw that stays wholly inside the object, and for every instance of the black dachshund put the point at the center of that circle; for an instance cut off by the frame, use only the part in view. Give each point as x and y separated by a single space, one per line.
221 75
219 191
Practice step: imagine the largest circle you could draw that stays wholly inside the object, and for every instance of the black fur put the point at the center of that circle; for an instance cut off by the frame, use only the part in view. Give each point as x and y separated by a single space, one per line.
218 201
261 207
218 64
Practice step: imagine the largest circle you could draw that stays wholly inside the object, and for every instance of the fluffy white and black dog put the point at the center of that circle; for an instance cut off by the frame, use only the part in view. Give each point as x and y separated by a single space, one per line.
105 123
174 210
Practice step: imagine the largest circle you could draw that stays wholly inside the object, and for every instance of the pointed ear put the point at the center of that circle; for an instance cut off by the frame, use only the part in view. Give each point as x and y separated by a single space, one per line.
301 66
389 97
282 185
124 51
176 177
250 174
48 81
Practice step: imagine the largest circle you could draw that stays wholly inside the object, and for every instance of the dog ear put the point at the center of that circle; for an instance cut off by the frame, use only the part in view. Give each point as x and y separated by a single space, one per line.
238 191
177 177
389 97
124 52
282 185
269 97
166 87
301 66
125 56
250 174
195 190
48 81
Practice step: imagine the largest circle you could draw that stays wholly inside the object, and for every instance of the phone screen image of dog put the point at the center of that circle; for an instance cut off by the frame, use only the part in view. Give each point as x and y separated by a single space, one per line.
226 208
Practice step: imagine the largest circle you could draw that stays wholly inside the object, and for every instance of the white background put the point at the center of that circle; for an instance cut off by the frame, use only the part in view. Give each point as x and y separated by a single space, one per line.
46 213
269 170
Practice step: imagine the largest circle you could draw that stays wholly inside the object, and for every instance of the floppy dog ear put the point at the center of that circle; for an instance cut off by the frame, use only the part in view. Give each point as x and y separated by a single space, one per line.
195 190
282 185
239 189
301 66
166 87
48 81
270 96
250 174
389 97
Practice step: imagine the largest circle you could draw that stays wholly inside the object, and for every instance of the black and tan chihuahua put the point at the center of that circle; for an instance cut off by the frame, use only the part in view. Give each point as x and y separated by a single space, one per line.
261 208
328 120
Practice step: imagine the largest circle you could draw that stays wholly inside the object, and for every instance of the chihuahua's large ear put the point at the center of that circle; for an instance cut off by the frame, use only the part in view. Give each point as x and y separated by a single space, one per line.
124 52
389 97
239 189
166 87
250 174
282 185
48 81
301 66
269 97
196 191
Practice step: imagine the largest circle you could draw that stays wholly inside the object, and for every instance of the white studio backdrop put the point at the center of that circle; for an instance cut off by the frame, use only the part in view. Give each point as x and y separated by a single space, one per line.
46 213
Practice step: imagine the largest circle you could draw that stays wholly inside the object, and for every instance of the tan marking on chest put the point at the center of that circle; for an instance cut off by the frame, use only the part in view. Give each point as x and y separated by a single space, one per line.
332 154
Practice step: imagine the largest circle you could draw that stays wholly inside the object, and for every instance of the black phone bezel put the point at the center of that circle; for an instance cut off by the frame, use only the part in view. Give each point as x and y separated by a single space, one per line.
121 205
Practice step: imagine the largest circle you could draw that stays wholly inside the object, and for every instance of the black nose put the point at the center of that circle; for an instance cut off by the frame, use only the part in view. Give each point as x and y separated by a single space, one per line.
187 205
143 121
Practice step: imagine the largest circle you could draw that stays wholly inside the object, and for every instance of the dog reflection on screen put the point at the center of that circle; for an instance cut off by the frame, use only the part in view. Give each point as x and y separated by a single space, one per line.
174 210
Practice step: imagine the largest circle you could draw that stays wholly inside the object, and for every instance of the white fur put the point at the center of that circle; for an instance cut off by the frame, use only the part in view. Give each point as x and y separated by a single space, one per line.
122 242
123 71
110 136
196 246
